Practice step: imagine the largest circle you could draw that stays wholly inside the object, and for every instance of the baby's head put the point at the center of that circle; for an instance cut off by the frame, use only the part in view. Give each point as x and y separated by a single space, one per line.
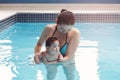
52 45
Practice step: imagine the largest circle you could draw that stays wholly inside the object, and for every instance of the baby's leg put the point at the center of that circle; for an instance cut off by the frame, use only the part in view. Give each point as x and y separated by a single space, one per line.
51 71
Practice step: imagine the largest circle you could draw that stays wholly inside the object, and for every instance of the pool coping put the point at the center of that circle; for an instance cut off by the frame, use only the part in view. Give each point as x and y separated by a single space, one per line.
100 13
12 8
58 6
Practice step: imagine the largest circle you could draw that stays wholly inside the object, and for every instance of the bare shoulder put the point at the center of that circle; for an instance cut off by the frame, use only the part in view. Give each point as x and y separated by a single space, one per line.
49 29
75 31
50 26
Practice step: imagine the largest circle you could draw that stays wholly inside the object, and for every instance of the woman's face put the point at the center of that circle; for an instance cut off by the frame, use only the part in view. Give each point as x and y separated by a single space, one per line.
64 28
54 48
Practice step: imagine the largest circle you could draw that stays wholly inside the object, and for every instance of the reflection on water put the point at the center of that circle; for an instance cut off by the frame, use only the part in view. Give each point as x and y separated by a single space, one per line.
86 60
17 68
6 66
16 54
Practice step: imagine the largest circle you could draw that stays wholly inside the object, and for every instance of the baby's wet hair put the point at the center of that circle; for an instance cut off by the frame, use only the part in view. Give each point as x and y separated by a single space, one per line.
50 41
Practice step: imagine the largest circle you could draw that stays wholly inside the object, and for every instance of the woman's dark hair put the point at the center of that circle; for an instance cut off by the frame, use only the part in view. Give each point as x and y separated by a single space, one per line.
63 10
50 40
66 17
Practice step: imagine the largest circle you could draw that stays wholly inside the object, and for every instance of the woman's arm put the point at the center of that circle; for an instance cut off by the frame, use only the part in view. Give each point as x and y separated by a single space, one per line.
45 34
60 58
40 42
73 44
37 58
37 50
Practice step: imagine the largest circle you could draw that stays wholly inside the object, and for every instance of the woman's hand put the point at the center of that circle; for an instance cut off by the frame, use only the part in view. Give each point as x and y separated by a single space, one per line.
37 58
60 58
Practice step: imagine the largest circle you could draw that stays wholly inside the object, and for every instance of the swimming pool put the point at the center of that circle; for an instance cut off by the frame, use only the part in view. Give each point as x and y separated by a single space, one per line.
97 57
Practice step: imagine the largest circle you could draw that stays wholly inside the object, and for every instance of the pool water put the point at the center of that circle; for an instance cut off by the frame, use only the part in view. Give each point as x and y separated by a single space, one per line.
97 56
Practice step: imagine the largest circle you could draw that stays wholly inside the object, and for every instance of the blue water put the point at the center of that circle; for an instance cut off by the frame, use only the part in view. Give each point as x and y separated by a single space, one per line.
21 38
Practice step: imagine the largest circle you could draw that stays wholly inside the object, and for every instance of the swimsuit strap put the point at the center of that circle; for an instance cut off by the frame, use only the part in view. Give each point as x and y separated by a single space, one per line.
54 30
66 41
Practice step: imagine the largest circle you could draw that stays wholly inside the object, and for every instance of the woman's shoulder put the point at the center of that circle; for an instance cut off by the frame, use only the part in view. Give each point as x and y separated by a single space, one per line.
50 26
49 29
75 31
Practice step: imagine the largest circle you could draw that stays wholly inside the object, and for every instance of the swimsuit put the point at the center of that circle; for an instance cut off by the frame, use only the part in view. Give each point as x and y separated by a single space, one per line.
63 49
52 60
44 56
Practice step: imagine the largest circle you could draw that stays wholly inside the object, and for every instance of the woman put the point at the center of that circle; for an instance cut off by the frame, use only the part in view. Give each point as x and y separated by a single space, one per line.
68 37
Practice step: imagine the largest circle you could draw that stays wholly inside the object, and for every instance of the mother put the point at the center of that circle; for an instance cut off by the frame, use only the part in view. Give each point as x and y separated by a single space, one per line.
69 38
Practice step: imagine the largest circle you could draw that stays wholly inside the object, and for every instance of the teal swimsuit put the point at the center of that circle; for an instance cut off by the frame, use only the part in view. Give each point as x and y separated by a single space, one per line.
63 49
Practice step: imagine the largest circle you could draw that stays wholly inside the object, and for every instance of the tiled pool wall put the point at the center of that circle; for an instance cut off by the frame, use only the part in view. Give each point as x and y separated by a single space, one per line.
51 17
5 23
36 17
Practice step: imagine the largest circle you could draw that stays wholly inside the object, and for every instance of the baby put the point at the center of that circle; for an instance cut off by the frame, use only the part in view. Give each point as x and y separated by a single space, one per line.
52 54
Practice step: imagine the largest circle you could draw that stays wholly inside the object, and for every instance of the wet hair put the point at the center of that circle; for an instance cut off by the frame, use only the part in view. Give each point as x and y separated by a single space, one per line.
50 41
66 17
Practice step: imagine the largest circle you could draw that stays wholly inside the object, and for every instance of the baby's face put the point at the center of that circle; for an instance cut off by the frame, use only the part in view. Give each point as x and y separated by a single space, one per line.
54 48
